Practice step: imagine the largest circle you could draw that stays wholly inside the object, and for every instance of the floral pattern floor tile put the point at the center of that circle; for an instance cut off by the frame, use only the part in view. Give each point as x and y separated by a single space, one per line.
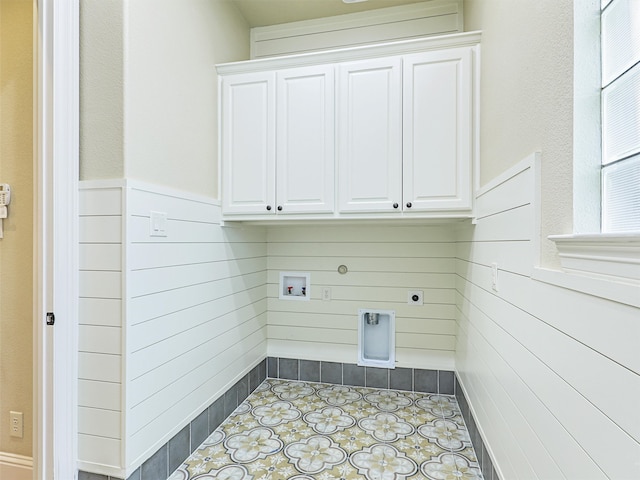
290 430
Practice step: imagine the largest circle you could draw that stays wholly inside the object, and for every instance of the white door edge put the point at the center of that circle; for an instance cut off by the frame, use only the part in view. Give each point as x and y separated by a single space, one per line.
56 238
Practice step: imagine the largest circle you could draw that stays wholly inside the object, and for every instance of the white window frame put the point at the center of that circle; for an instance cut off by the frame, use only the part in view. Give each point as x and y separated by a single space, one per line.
611 88
591 260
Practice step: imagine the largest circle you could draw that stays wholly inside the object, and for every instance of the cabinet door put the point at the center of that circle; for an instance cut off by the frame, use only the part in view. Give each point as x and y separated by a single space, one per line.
248 143
370 136
437 137
305 140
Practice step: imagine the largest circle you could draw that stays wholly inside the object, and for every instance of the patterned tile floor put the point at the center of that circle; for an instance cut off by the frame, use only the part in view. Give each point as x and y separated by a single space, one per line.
303 430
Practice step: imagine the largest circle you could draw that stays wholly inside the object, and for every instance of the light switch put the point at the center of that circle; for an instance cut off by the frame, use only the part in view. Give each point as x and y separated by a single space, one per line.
158 224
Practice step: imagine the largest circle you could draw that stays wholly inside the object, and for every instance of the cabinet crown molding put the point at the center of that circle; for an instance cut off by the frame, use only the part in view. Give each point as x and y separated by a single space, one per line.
352 53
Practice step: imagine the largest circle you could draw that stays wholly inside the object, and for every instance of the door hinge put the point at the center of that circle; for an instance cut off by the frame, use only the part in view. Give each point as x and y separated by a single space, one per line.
51 318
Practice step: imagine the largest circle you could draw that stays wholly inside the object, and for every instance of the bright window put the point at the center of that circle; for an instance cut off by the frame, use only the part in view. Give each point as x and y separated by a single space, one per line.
620 104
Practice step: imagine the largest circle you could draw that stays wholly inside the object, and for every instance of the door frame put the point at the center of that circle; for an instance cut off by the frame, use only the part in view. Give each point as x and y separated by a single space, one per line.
56 251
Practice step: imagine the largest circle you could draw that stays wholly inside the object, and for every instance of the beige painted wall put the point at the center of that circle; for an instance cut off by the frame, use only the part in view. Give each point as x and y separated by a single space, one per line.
149 88
101 89
16 266
527 98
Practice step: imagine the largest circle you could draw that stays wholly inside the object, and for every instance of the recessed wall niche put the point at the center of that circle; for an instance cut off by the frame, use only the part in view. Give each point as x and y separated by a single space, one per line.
295 286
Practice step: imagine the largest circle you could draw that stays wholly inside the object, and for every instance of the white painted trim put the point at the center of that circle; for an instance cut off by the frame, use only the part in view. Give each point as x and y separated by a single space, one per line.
16 460
15 467
146 187
528 162
598 287
353 53
428 218
41 387
601 256
56 239
477 78
96 184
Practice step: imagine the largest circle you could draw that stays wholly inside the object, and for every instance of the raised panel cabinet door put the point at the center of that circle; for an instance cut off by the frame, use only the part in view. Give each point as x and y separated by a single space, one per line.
370 136
437 136
305 135
248 143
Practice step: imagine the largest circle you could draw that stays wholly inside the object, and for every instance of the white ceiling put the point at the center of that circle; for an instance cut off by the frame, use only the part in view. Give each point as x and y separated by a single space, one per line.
271 12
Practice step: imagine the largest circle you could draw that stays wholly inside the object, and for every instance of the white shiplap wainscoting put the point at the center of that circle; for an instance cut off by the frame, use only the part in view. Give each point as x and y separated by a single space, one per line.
100 336
384 262
551 374
168 324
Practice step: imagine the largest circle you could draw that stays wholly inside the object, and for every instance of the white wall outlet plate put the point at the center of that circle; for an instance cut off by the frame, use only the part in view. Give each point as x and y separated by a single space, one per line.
16 428
415 297
158 224
494 277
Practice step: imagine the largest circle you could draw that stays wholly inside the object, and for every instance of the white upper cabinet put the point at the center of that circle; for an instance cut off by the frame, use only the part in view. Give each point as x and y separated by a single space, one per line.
369 125
278 142
248 130
437 135
305 140
378 131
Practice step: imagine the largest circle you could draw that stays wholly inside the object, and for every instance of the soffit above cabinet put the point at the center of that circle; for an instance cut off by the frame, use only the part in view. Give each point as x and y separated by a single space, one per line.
398 22
259 13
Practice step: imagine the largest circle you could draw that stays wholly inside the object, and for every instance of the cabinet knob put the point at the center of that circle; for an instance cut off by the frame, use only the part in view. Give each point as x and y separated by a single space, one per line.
395 205
269 207
408 204
279 208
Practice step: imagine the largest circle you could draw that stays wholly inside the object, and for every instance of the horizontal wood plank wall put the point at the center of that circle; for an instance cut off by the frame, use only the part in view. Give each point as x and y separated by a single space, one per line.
167 324
100 377
552 375
436 17
196 313
384 263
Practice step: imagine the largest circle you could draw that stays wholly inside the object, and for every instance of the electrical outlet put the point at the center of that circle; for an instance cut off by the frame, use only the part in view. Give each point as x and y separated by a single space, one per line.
326 294
15 424
415 297
494 276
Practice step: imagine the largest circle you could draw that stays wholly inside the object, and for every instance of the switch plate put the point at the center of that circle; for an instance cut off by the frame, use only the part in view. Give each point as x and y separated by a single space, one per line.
415 297
158 224
16 424
326 294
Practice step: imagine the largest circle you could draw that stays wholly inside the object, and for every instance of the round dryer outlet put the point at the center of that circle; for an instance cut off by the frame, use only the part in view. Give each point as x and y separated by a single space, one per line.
415 297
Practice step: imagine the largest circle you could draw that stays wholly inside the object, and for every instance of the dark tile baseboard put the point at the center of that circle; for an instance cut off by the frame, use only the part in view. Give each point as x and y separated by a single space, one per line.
486 465
408 379
171 455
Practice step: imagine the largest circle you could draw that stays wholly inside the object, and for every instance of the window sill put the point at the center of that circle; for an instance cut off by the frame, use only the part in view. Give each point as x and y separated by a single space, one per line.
603 265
